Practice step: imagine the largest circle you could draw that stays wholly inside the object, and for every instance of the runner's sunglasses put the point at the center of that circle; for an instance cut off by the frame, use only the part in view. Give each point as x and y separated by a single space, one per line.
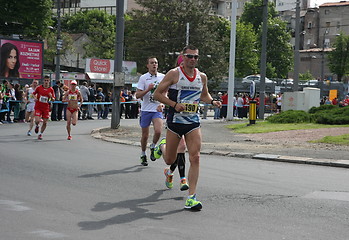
191 56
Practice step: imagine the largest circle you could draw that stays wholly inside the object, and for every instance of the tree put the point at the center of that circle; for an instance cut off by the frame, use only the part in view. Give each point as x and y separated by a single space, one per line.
30 18
279 49
253 12
339 56
98 26
246 53
159 29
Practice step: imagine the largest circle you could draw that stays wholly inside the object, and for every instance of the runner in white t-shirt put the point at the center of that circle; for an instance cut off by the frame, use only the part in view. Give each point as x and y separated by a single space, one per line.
151 110
29 112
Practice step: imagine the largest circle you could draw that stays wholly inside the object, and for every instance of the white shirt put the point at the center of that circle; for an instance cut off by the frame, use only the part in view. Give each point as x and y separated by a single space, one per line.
148 103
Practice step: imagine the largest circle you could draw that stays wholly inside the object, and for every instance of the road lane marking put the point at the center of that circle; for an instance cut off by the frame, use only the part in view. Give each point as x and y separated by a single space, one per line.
341 196
14 206
47 234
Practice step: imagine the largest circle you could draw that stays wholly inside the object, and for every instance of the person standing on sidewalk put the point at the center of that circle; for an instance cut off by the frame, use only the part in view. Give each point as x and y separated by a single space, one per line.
44 94
186 87
151 110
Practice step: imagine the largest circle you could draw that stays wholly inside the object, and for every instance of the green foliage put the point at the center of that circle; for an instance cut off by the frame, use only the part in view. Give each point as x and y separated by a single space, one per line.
29 18
51 42
253 13
306 76
325 114
321 108
339 57
291 116
333 116
279 49
159 28
247 55
98 26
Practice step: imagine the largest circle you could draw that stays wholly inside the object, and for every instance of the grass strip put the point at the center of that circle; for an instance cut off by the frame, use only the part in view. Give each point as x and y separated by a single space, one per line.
265 127
340 140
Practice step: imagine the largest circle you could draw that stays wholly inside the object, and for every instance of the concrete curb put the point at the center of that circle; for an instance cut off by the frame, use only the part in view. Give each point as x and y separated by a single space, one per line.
96 133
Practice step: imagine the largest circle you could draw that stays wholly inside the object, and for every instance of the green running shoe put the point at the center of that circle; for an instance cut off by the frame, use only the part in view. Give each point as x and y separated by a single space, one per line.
144 161
192 203
157 150
184 185
169 178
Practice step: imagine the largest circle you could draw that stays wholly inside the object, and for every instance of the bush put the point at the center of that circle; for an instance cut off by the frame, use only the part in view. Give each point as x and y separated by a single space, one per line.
334 116
290 116
321 108
325 114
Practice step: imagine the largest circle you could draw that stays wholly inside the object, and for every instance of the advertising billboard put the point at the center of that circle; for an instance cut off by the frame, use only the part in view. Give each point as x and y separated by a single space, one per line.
21 59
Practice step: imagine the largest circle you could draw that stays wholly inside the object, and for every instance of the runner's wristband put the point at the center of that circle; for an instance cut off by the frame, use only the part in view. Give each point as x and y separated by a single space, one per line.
175 106
212 102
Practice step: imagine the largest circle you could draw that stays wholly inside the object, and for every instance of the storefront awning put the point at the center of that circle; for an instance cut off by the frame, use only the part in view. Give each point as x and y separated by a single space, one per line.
100 77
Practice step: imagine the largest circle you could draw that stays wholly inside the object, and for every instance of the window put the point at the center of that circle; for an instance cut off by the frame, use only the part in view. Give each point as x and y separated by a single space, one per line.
328 24
327 12
309 25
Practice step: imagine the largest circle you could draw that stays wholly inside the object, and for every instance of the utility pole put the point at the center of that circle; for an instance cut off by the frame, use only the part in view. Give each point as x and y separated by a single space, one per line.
323 56
296 49
187 36
59 41
119 77
231 81
263 59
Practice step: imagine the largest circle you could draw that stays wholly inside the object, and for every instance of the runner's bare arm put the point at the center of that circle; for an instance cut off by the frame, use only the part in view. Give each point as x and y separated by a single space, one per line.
65 97
140 93
205 95
81 100
160 93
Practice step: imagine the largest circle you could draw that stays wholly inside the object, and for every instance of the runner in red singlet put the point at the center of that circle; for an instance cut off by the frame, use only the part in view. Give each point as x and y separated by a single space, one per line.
43 94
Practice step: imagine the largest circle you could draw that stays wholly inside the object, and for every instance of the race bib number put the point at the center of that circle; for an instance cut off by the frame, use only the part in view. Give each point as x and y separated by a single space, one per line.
73 97
43 99
190 107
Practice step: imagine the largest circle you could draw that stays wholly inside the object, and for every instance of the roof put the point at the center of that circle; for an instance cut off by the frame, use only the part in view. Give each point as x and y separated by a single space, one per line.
335 4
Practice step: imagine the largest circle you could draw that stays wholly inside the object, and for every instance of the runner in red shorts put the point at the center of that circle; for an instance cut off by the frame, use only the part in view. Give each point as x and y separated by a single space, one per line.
43 94
73 96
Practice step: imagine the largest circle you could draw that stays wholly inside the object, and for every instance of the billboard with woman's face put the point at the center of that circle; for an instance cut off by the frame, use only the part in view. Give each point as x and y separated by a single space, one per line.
21 59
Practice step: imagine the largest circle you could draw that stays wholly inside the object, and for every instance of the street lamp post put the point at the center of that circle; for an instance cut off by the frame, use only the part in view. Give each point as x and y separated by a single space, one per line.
323 55
59 41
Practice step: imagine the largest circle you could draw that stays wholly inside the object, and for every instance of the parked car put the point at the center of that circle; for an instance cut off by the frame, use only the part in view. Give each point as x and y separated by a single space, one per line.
287 82
256 79
311 83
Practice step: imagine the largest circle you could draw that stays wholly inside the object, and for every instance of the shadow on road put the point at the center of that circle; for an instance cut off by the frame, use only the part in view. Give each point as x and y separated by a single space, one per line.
132 169
137 208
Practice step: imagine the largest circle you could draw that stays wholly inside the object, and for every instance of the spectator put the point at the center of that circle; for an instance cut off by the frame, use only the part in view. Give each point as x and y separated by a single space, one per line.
224 108
85 93
335 101
217 110
57 108
108 98
134 106
11 98
65 89
239 106
16 104
92 99
100 98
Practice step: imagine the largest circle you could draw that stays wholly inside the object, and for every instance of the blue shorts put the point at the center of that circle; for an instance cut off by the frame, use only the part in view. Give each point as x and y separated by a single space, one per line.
146 118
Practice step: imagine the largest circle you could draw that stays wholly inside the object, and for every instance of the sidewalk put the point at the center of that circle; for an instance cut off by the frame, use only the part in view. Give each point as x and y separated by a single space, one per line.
221 141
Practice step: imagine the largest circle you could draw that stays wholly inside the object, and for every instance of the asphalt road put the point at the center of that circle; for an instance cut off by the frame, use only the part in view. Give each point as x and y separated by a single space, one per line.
89 189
